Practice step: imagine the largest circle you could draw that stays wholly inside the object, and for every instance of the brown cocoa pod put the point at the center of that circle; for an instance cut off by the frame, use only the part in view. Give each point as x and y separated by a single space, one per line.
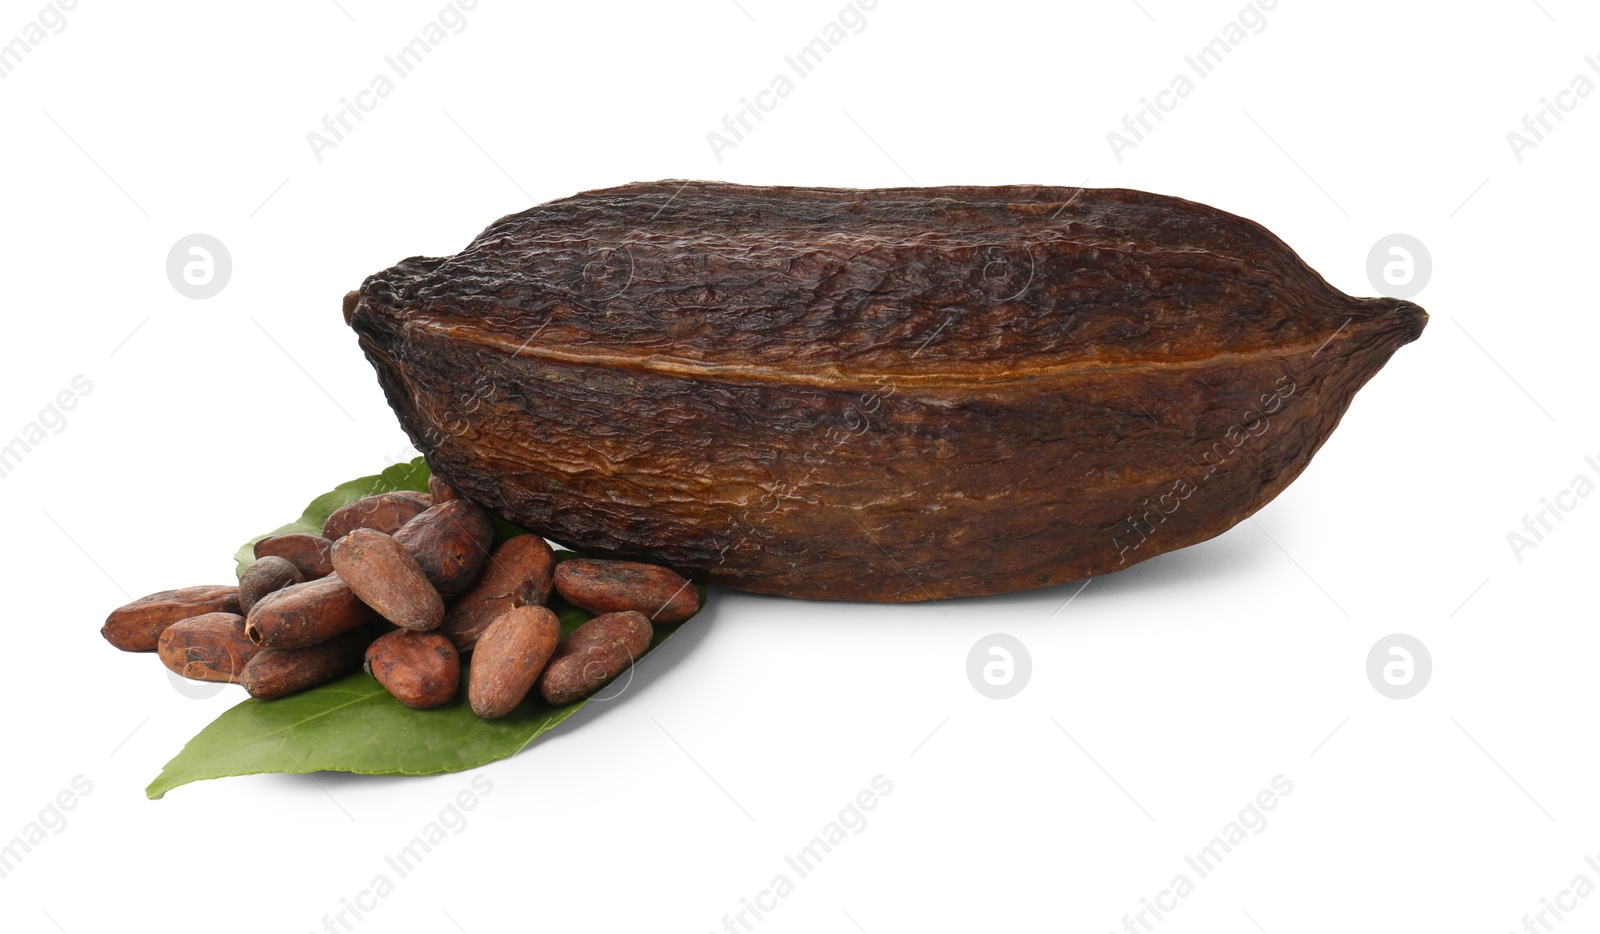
421 669
601 586
592 655
384 575
385 512
305 614
208 647
311 554
441 491
508 659
264 576
137 626
451 541
275 673
886 394
520 572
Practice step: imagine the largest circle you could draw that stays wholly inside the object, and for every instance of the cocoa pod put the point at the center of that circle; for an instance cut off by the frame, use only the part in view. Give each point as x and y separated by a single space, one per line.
893 394
421 669
137 626
305 614
601 586
440 491
385 512
264 576
311 554
592 655
450 541
508 659
383 575
275 673
208 647
518 573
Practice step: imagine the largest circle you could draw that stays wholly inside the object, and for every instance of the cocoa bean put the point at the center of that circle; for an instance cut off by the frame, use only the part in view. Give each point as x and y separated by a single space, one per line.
508 659
264 576
421 669
610 586
518 573
137 626
275 673
386 512
208 647
592 655
305 614
384 575
451 542
466 619
441 491
312 554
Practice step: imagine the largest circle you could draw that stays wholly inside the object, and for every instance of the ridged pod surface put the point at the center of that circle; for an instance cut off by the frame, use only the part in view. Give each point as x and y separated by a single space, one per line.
890 394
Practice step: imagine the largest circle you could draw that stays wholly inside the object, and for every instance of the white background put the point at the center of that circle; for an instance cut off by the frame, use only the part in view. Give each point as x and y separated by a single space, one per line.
1162 699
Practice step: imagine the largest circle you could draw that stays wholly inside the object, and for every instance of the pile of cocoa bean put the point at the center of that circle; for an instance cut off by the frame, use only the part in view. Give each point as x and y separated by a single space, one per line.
406 584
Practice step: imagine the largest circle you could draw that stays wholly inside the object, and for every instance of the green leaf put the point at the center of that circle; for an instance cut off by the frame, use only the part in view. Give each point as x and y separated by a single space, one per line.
353 724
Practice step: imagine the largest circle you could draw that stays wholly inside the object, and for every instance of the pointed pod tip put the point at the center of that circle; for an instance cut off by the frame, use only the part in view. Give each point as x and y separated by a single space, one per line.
1412 314
1398 320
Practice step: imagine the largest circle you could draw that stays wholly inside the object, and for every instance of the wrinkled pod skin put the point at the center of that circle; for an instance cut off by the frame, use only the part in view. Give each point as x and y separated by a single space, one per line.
891 394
